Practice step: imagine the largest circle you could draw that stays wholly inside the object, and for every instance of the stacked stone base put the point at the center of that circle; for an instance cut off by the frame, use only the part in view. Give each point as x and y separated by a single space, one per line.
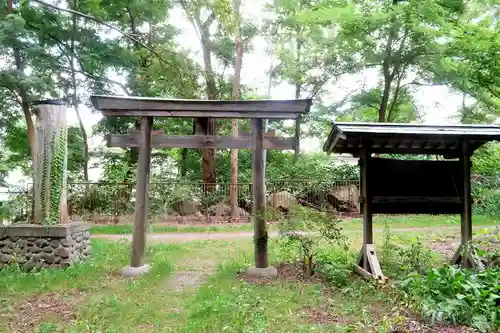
34 246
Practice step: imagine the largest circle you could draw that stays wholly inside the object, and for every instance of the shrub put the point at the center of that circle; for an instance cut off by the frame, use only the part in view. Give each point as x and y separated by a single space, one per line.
299 227
396 259
487 244
336 266
455 295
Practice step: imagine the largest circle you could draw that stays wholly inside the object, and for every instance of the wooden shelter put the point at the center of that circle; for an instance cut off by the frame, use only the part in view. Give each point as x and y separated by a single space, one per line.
391 186
148 108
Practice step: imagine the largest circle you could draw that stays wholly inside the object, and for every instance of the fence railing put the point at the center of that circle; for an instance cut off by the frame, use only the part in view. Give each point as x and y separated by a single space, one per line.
188 202
192 202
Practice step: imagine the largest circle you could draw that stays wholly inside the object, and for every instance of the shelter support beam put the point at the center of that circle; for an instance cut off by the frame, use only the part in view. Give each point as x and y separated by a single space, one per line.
259 195
368 264
466 255
141 202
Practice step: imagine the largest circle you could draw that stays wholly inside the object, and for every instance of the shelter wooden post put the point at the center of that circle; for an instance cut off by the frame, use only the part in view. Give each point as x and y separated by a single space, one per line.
466 255
368 264
259 195
141 201
297 140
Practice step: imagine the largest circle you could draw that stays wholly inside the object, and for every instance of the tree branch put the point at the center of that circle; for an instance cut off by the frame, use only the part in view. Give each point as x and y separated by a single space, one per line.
98 21
101 79
64 48
416 83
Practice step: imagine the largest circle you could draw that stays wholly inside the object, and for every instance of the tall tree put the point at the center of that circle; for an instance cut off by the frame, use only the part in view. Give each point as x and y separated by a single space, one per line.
236 96
205 126
400 38
74 94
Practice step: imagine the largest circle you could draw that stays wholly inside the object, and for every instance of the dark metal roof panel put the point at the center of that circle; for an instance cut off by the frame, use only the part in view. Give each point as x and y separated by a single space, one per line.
408 138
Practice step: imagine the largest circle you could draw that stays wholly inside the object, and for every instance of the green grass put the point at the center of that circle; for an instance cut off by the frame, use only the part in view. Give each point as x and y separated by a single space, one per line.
418 221
407 221
127 229
225 304
106 302
86 280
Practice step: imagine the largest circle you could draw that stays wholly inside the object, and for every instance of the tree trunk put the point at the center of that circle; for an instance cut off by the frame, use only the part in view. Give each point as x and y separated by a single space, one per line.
385 99
386 69
234 122
298 86
25 103
132 154
183 164
50 165
206 126
75 100
30 128
395 96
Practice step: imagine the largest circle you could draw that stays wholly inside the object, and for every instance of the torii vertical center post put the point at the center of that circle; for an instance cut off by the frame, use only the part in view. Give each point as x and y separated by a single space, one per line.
148 108
391 186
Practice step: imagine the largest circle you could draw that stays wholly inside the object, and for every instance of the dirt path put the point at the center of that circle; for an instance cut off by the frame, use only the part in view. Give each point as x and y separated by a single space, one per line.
178 237
191 273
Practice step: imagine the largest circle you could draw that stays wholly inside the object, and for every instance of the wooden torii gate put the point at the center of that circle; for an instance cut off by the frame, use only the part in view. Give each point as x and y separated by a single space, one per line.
148 108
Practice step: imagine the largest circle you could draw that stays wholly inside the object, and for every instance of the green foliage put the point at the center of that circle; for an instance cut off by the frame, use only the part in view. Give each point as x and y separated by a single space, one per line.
336 266
400 260
486 194
364 107
457 295
298 228
486 160
487 245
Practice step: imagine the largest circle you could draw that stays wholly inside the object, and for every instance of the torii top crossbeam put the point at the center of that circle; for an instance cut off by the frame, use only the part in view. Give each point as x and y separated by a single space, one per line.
190 108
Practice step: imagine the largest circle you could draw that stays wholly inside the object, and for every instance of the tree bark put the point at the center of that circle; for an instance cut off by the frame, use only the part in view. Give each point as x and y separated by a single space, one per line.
234 122
386 69
75 99
298 86
25 103
395 96
206 126
388 78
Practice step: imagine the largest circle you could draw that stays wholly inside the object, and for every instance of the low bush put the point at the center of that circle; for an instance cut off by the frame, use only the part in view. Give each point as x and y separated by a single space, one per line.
456 295
296 230
487 244
336 266
397 260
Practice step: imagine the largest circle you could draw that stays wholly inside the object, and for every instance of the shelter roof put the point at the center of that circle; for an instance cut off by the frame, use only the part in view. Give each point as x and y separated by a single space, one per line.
389 138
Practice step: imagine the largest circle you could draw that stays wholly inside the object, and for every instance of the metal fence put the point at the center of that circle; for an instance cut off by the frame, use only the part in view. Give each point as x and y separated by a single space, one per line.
192 203
188 202
14 205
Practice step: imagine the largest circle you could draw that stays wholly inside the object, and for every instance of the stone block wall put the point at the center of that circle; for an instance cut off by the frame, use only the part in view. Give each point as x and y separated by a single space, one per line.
34 246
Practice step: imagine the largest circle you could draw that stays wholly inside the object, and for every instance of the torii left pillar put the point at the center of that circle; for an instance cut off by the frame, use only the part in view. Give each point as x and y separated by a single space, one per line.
137 266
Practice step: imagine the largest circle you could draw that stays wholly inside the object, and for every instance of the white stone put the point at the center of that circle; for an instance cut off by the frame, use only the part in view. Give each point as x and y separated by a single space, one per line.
135 271
268 272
